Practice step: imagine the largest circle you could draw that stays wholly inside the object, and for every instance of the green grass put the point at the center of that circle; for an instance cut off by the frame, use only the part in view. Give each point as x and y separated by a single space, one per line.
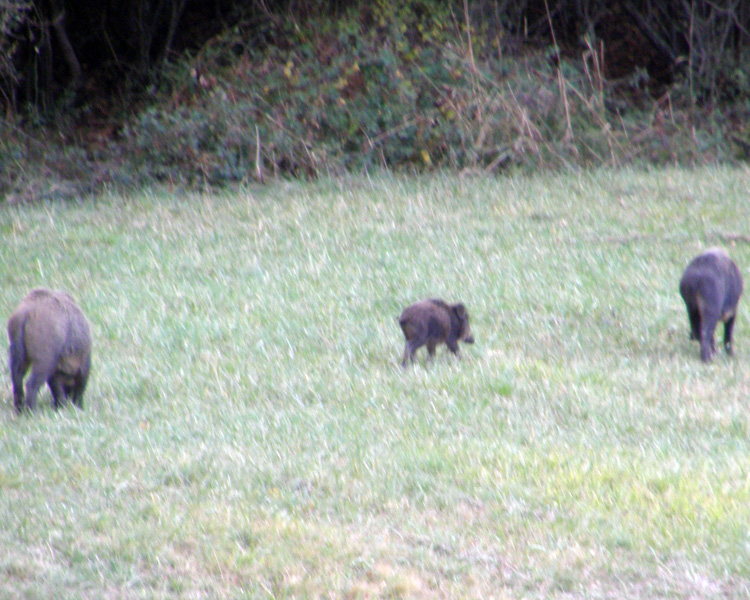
248 430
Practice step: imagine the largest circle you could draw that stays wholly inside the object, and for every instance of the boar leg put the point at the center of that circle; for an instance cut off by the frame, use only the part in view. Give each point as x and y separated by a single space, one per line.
728 328
76 394
33 383
453 347
708 348
695 322
431 349
408 355
57 388
18 367
415 339
415 345
18 397
17 373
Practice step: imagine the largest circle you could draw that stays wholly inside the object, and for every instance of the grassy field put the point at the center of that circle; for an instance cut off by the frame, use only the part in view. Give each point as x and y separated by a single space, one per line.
248 430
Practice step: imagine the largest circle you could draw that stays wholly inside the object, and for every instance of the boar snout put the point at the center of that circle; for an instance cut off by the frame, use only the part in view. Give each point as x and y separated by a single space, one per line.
463 320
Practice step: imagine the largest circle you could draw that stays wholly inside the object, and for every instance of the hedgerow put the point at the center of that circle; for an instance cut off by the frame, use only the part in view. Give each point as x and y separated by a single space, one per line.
393 87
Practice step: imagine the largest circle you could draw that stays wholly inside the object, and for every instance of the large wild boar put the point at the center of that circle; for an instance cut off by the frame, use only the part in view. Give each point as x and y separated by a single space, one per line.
50 334
433 322
711 287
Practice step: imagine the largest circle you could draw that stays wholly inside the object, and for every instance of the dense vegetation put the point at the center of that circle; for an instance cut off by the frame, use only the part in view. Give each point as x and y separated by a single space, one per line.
191 92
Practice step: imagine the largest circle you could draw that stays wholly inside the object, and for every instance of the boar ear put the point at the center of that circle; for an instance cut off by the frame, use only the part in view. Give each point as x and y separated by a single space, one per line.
460 310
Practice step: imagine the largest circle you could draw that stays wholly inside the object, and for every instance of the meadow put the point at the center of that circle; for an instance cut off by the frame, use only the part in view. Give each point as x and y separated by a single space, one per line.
248 431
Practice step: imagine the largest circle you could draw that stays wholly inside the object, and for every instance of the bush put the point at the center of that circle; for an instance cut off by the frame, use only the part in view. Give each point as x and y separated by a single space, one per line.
400 87
406 96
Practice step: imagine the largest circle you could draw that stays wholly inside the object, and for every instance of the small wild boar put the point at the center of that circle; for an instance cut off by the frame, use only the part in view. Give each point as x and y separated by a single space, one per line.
433 322
711 287
50 334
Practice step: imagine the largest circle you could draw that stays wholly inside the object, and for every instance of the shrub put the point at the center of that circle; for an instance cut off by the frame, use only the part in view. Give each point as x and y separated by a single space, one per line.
410 87
404 93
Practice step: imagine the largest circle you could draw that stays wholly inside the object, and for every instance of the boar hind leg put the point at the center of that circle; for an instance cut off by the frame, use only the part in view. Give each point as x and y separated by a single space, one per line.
18 397
17 372
18 367
33 384
410 349
76 395
414 342
728 328
57 388
694 316
708 348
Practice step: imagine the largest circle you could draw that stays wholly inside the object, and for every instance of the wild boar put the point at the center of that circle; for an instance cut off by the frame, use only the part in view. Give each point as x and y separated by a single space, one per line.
50 334
433 322
711 288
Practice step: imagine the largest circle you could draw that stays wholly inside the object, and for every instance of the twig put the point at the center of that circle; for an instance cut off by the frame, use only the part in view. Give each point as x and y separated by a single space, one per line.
258 156
471 57
468 36
733 237
560 78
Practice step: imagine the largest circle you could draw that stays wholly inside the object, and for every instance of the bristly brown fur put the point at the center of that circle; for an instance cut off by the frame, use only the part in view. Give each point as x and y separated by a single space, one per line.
49 334
433 322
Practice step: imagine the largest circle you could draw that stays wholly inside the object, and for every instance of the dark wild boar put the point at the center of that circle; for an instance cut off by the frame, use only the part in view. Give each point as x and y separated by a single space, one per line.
433 322
711 287
50 334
